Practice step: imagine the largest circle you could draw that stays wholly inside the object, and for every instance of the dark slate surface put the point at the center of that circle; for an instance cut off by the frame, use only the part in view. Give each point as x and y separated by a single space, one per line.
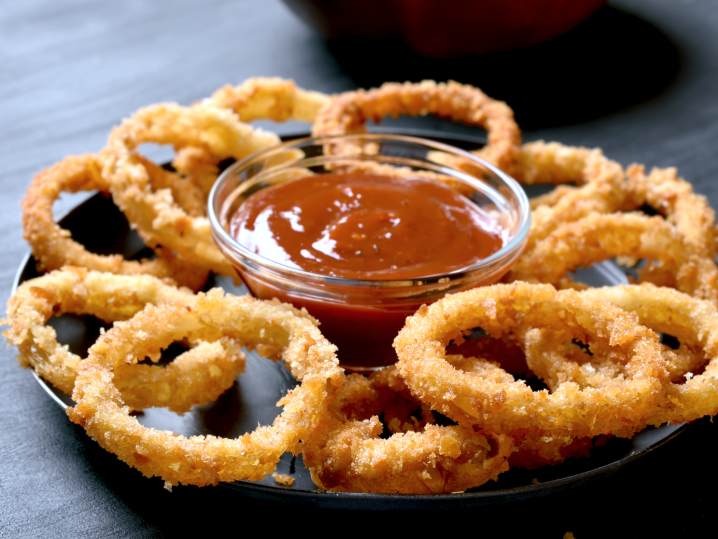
638 79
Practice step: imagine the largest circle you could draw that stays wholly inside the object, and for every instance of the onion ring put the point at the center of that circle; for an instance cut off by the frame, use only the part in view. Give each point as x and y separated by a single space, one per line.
542 162
210 368
270 98
604 190
693 322
53 247
675 199
600 237
349 112
515 408
351 458
270 327
257 98
345 453
531 450
157 216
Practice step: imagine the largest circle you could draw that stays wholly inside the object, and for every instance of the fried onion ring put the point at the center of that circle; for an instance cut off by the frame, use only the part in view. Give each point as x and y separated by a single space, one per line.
157 216
257 98
270 98
695 323
674 198
542 162
272 328
349 112
600 237
604 190
53 247
474 401
345 454
496 361
211 368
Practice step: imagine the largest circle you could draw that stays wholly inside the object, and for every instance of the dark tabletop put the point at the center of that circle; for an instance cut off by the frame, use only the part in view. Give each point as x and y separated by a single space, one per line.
639 79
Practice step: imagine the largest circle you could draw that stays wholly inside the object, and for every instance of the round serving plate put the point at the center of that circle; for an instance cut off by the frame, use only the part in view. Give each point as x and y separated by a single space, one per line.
101 227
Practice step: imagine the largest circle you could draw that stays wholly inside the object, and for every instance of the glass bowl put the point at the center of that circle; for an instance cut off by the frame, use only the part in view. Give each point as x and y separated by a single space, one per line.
362 317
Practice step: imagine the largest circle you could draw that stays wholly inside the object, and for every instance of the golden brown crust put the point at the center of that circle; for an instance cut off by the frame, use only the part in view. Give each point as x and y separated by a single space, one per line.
674 198
349 112
257 98
198 376
271 99
600 237
695 323
53 246
200 460
345 453
514 408
159 219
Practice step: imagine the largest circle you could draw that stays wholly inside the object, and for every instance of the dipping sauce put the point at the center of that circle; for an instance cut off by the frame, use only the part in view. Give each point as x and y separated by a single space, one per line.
361 226
366 227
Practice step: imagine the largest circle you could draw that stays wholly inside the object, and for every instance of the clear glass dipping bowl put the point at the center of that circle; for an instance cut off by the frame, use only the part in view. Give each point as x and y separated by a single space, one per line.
362 317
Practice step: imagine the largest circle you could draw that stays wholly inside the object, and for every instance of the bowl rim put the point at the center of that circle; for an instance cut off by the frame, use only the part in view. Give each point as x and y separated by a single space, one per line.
509 251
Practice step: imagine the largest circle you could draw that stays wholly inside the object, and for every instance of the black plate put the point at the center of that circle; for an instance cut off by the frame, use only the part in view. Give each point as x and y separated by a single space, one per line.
99 225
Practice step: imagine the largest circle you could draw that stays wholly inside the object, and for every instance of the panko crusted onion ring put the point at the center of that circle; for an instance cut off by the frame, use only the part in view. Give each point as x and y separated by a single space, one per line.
542 162
345 453
53 247
693 322
531 450
156 215
674 198
603 188
352 458
348 113
257 98
515 408
271 99
270 327
381 393
211 368
600 237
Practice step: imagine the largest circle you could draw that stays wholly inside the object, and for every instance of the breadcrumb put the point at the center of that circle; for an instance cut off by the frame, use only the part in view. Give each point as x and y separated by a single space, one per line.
283 479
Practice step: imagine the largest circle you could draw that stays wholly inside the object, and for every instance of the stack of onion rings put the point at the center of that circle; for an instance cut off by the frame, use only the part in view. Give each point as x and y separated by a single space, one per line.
618 407
606 373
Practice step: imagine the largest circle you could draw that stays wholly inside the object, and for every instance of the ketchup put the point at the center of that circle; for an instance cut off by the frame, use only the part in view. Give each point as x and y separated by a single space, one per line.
365 227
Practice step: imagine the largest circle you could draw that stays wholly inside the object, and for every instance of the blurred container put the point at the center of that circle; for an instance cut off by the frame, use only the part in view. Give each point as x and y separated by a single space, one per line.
449 28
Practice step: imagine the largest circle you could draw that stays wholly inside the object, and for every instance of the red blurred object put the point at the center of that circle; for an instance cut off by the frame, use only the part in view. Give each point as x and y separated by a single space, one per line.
444 29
